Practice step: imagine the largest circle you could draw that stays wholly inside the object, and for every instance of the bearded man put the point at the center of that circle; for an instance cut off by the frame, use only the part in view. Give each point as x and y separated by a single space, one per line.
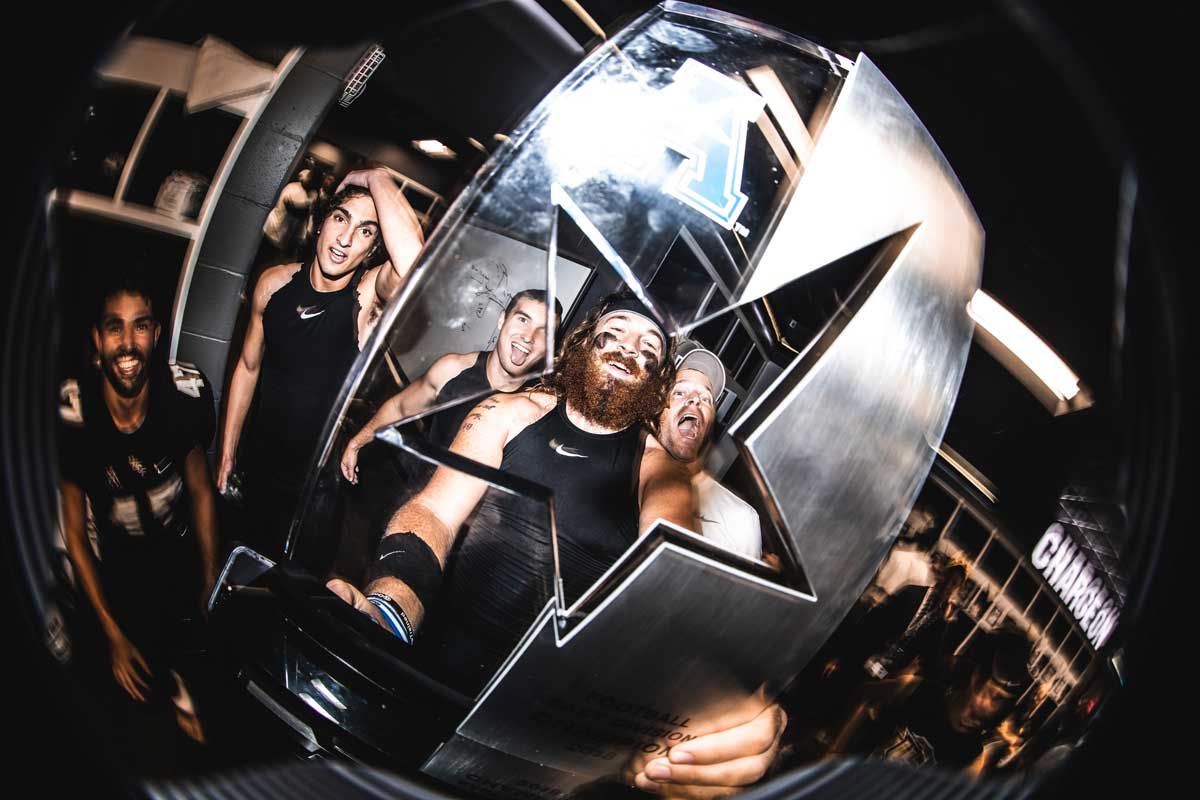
578 434
581 434
132 445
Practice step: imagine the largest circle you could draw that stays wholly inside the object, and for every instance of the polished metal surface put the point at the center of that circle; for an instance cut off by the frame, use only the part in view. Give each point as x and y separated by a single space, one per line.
840 443
242 568
611 142
845 437
478 769
679 639
647 154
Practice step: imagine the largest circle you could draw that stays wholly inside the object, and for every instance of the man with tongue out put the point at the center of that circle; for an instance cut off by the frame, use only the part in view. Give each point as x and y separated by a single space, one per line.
519 352
683 429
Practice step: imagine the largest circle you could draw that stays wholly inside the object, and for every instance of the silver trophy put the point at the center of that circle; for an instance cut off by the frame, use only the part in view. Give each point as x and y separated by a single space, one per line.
746 159
710 164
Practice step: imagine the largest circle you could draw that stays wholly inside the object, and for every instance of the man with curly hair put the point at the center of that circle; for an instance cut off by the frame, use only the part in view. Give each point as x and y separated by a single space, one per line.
307 325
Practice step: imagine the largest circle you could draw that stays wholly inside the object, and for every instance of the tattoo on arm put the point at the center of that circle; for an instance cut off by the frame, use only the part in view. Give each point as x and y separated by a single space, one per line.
477 414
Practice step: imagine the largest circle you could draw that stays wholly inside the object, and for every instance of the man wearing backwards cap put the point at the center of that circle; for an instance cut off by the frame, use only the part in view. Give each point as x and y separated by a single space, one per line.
683 429
578 433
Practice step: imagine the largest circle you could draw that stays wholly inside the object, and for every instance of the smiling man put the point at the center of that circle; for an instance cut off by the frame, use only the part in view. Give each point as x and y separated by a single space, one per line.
580 434
519 353
132 463
307 325
683 429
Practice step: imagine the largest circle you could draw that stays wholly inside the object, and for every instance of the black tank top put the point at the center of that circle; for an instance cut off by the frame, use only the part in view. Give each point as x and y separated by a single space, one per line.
311 339
501 572
470 382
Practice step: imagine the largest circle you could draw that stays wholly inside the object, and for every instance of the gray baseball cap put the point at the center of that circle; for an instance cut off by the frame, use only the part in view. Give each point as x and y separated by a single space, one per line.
692 355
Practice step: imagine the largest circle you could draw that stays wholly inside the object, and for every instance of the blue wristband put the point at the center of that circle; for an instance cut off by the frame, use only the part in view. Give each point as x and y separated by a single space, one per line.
393 614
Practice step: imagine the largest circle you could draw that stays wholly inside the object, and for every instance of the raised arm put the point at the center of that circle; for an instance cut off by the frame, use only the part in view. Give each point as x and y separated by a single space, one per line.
402 235
665 490
245 373
129 667
412 399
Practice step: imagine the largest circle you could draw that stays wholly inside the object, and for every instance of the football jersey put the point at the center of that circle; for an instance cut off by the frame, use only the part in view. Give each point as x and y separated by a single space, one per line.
134 482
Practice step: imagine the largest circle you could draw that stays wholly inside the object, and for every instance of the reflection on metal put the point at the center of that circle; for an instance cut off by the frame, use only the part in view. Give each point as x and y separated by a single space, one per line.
707 114
771 88
715 636
839 443
290 719
561 199
967 471
242 568
843 440
600 136
481 770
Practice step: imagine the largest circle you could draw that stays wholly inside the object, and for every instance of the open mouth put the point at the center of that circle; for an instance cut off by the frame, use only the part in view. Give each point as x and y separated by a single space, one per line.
689 426
617 368
519 353
337 256
127 366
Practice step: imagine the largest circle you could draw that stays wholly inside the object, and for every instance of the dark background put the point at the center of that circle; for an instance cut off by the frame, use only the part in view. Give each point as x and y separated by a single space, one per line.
1038 120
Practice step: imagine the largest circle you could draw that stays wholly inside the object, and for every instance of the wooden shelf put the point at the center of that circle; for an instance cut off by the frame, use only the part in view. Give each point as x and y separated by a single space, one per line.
129 213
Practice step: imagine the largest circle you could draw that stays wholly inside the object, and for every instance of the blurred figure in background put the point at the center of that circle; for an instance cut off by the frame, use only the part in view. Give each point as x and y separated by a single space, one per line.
287 224
956 720
929 637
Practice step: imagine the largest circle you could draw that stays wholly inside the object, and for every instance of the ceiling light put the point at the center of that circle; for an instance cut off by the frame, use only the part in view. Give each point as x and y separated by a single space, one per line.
433 148
1026 356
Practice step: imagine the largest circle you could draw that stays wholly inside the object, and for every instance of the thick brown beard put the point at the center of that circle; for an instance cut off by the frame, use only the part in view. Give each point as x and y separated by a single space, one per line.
604 400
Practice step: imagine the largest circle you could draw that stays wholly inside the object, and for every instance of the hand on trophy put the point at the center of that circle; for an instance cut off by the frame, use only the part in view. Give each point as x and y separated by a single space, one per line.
717 764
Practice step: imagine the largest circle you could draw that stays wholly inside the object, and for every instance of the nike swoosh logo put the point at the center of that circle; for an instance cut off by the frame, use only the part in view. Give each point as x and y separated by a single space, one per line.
563 450
308 313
